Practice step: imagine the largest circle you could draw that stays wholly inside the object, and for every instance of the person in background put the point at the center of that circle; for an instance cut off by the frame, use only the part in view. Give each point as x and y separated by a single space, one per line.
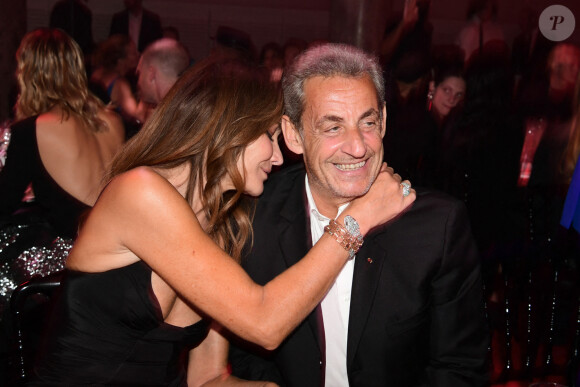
114 60
573 148
234 43
410 132
571 168
162 62
291 48
272 60
63 140
446 91
444 102
481 28
155 263
483 143
171 32
139 24
409 31
76 19
530 50
549 128
60 145
407 309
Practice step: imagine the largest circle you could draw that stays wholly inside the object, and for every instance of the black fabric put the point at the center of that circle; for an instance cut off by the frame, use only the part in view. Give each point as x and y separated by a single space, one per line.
416 313
150 27
107 329
76 19
23 167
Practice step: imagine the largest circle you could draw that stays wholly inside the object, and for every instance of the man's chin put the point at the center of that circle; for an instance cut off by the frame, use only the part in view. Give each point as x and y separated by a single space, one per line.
352 193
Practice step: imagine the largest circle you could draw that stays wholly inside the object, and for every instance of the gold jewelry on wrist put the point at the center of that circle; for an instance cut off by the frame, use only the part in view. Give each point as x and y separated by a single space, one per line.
350 239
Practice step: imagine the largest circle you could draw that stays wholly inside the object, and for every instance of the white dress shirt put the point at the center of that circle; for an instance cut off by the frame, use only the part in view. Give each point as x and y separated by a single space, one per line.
335 305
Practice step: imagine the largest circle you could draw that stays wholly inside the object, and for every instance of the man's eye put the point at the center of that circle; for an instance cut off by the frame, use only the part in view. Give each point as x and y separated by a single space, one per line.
333 129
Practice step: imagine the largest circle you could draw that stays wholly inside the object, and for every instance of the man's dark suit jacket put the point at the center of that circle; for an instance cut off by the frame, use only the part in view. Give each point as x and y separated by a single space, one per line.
416 314
150 27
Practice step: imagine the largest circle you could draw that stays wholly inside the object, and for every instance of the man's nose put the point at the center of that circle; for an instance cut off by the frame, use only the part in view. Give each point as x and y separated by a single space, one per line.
354 144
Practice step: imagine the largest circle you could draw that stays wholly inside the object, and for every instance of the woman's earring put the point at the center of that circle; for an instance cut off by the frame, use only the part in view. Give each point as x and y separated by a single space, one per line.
429 100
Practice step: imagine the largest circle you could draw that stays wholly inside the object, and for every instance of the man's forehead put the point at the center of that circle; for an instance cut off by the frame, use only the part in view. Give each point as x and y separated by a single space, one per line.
339 88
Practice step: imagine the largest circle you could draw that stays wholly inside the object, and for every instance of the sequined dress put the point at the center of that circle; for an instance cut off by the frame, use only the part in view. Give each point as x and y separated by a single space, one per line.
34 237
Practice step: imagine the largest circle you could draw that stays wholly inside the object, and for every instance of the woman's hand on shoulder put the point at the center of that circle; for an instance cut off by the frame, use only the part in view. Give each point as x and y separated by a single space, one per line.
386 199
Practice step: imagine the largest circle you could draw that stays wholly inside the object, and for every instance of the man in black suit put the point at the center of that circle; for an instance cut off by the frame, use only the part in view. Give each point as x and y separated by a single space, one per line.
140 24
408 309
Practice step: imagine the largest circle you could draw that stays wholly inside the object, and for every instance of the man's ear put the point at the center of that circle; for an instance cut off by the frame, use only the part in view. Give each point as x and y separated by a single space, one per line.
384 123
292 136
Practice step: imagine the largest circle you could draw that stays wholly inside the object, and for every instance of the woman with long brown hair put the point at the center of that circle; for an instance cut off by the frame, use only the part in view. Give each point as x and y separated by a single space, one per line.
153 266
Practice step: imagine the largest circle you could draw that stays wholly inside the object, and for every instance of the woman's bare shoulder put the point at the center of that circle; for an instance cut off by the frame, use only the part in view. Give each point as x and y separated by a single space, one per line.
53 128
52 120
137 179
141 187
145 213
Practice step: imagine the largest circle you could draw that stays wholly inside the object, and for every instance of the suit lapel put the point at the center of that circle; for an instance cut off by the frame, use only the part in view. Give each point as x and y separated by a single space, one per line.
292 226
367 273
296 239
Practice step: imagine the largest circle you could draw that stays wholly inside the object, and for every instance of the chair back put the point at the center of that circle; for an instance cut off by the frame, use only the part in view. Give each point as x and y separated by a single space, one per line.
30 305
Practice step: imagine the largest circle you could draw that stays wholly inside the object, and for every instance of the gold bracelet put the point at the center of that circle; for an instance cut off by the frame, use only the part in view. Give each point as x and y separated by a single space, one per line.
347 240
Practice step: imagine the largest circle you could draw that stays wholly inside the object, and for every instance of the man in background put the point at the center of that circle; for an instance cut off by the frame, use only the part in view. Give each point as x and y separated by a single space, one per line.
76 19
159 67
140 24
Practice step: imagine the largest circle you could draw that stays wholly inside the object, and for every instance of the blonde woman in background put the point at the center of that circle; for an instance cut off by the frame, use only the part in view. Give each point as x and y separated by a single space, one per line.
60 145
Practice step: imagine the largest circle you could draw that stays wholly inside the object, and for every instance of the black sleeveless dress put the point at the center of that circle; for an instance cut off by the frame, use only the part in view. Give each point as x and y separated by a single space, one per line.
107 329
35 238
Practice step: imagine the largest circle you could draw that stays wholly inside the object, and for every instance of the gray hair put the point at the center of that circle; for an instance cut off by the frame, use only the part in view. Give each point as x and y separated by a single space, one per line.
328 60
168 55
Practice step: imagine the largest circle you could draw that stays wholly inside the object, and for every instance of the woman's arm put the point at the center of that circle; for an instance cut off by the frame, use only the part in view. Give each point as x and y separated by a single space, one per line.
123 97
393 38
142 212
208 364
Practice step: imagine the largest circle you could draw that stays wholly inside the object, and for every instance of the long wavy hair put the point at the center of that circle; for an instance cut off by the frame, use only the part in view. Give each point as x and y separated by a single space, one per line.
51 72
214 110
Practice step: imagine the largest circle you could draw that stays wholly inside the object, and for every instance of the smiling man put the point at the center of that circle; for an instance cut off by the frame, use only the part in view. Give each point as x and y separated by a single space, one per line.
407 309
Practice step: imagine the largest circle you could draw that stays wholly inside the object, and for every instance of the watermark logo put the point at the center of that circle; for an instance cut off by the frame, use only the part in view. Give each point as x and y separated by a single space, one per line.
557 23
